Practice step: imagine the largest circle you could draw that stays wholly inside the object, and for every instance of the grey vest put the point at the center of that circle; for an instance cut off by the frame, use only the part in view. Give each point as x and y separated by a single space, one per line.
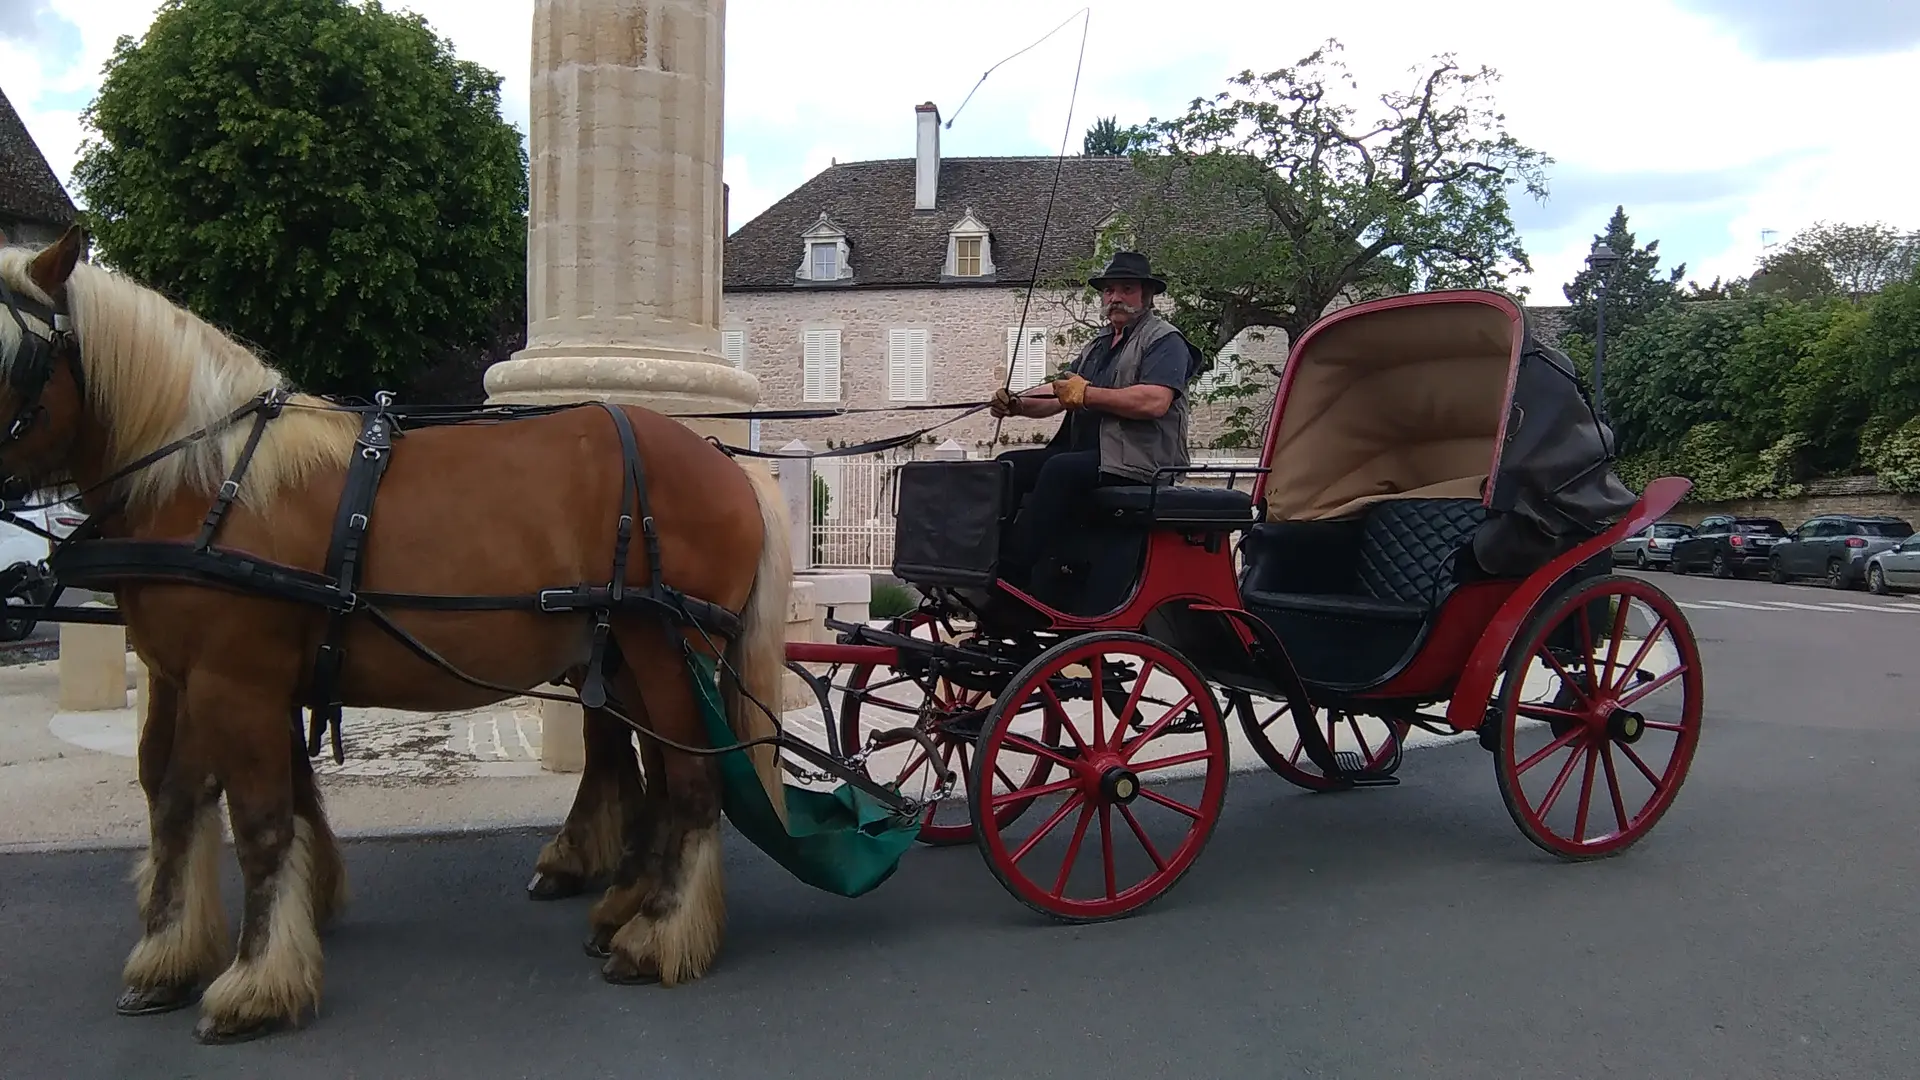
1137 448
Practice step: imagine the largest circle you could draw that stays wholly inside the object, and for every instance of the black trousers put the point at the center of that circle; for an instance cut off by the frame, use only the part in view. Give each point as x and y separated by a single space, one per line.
1051 485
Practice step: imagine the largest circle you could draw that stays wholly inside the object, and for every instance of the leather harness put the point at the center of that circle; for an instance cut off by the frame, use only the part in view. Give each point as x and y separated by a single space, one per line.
88 560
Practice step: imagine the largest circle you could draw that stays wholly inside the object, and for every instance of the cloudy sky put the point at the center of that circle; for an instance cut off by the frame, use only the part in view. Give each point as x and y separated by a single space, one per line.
1711 120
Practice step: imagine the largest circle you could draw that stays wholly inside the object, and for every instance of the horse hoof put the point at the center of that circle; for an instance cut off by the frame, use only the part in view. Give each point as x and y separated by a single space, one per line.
620 971
154 1000
554 886
596 948
208 1033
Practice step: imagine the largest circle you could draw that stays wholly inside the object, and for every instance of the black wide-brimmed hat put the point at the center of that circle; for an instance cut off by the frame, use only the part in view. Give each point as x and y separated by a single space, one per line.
1129 266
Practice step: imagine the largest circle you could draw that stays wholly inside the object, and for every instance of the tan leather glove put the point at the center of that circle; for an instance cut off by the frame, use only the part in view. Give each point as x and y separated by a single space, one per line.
1071 390
1002 403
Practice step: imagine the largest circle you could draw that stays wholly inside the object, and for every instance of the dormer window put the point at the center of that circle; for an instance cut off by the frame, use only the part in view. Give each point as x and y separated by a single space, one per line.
825 260
1112 235
969 251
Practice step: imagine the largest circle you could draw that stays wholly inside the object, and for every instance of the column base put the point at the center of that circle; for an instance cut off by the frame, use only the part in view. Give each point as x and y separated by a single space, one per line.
668 386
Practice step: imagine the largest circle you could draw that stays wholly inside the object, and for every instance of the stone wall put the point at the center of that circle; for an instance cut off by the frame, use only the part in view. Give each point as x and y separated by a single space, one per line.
967 358
1850 495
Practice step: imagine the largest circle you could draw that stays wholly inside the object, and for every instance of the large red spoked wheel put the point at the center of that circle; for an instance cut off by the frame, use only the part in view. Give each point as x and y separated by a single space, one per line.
1136 802
877 700
1598 717
1361 744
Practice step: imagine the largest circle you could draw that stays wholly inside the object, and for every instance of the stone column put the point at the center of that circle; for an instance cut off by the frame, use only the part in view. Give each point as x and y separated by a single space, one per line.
626 228
628 215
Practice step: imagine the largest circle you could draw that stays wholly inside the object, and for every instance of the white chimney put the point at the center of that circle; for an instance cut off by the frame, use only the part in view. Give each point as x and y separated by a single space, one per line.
926 164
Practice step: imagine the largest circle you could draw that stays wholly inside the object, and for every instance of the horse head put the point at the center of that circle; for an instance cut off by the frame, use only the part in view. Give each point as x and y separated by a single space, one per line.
42 383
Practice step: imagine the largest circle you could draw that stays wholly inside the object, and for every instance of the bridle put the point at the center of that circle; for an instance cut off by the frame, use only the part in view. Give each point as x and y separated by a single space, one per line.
35 359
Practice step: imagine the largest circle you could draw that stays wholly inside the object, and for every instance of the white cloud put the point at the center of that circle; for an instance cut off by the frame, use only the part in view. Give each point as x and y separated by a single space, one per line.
1635 86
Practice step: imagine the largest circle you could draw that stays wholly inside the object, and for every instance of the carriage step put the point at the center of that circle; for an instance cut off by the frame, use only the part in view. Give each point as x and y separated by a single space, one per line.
1353 769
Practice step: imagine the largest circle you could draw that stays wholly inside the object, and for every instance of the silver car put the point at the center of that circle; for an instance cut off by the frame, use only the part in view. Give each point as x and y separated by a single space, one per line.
1651 546
1896 569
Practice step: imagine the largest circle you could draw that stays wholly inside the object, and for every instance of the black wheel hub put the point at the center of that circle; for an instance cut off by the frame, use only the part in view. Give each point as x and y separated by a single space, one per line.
1626 726
1118 785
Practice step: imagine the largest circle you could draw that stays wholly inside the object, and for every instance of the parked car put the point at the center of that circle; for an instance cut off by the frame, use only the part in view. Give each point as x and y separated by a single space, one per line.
23 554
1727 546
1835 547
1896 569
1651 546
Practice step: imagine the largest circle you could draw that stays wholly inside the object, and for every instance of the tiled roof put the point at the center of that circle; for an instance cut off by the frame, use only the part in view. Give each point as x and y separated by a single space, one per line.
28 188
892 244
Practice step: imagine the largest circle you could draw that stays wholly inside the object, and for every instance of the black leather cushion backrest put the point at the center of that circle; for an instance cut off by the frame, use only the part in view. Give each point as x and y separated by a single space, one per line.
1407 546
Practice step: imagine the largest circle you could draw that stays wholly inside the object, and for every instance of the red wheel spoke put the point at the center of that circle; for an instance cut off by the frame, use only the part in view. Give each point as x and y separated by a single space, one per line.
1648 688
1127 750
1034 748
1560 782
1548 712
1641 765
1073 850
1620 608
913 764
1634 665
1099 700
1613 784
1568 736
1566 679
1047 827
1140 834
1004 778
1106 846
1586 797
1133 704
1353 724
1169 762
1019 793
1060 712
1178 808
1284 710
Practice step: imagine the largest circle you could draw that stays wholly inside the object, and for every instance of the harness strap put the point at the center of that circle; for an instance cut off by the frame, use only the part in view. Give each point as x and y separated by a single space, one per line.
268 408
352 516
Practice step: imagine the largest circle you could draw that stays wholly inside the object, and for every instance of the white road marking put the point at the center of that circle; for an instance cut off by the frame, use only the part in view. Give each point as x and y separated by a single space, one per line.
1810 607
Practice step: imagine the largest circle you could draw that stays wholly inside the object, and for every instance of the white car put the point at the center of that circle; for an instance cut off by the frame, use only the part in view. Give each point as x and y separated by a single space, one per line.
1896 569
23 551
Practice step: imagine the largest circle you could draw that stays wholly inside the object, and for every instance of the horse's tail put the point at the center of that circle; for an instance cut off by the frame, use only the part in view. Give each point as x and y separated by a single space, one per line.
756 659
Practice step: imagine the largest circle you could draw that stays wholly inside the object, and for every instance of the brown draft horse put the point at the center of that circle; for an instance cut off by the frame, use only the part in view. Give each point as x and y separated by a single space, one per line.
474 508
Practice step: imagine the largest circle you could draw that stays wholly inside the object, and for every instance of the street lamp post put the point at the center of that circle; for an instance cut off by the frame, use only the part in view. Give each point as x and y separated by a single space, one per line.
1601 258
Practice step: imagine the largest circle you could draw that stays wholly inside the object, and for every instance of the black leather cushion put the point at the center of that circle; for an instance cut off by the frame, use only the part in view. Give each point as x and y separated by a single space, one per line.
1180 503
1407 547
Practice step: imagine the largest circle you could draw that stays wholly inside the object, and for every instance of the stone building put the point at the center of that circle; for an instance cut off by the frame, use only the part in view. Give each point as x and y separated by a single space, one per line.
34 207
903 281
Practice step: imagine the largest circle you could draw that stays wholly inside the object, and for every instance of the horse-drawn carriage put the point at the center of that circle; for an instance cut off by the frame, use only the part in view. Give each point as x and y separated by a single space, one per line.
1429 523
1432 517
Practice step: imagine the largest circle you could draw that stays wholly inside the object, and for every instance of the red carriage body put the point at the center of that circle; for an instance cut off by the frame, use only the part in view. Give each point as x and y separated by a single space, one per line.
1431 521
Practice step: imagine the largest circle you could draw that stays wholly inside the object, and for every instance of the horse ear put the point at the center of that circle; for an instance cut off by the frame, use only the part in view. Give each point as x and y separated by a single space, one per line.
54 265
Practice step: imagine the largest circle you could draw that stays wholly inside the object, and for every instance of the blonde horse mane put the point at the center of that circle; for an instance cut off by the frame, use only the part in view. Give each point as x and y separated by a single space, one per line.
155 372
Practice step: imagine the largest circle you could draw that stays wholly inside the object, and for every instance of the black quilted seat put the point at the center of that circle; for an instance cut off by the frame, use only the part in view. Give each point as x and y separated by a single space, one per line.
1398 566
1182 504
1350 599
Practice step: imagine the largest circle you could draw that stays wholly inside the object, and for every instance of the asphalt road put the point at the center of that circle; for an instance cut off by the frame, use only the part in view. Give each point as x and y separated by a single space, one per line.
1768 928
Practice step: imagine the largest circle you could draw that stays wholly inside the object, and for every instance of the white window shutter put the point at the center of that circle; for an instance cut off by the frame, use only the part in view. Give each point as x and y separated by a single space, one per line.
733 346
813 366
897 380
1028 364
830 365
917 365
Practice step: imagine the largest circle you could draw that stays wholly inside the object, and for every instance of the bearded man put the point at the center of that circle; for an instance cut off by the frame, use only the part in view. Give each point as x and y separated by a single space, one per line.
1125 396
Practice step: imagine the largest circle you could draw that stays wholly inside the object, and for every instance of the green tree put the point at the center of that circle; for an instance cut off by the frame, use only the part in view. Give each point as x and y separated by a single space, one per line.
1106 138
1854 261
324 179
1635 287
1269 201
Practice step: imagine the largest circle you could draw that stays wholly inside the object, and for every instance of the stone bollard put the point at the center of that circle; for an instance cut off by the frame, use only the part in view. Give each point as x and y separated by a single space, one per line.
141 676
801 626
563 740
850 596
93 666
